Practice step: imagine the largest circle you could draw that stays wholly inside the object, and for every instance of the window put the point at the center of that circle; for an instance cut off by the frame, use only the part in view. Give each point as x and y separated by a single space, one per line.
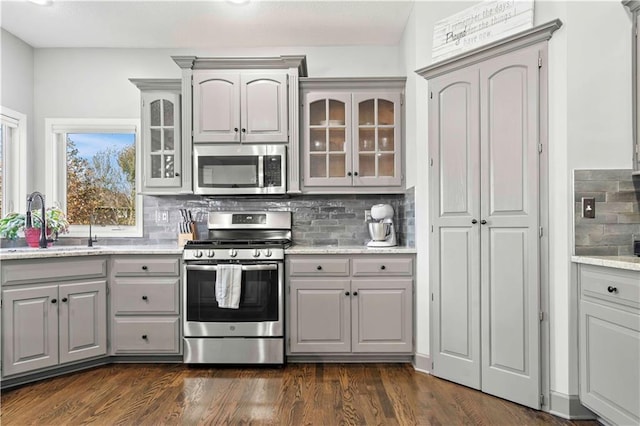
13 167
91 174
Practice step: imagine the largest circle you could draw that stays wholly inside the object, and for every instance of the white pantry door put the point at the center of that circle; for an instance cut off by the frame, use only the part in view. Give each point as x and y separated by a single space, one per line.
485 258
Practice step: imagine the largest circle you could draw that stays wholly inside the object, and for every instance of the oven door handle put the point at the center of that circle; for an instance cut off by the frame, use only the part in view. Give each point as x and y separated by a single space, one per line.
267 267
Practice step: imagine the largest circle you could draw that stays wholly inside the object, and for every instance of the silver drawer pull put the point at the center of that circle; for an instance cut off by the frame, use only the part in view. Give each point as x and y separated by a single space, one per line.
267 267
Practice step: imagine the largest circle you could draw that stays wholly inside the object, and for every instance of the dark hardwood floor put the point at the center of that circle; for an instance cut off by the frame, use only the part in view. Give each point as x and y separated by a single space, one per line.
297 394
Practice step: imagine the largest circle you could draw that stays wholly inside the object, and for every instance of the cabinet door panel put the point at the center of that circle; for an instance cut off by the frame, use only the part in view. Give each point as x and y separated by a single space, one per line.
162 159
29 329
382 319
609 354
216 112
377 157
264 107
83 320
327 139
455 240
320 316
510 258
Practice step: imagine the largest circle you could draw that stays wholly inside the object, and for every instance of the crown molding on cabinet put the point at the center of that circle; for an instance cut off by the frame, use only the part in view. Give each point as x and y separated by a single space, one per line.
262 63
517 41
157 83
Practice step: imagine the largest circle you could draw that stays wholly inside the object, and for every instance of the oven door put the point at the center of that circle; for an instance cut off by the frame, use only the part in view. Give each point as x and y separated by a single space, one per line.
260 312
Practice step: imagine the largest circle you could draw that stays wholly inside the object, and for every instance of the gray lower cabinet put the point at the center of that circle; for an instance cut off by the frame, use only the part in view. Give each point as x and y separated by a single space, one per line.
609 347
53 313
145 305
350 304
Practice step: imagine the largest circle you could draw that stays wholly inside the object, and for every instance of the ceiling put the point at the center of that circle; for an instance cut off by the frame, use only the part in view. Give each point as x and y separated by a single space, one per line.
205 24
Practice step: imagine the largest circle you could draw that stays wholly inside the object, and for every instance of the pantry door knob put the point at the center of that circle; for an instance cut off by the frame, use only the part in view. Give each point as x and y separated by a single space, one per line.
346 293
355 293
474 221
144 267
483 222
612 289
319 267
64 299
144 298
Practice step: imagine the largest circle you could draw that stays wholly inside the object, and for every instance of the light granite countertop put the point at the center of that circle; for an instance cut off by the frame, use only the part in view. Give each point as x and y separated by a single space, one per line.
67 251
631 263
298 249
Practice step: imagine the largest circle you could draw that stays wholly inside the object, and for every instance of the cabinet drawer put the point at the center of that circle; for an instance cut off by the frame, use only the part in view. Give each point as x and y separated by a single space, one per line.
141 296
380 266
614 285
38 270
146 335
318 266
146 266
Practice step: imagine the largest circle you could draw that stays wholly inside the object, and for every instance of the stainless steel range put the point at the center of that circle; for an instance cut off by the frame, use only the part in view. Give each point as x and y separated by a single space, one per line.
234 289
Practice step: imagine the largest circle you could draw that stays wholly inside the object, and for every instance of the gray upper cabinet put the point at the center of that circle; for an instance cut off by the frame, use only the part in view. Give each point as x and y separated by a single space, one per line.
163 168
248 107
352 135
634 7
486 155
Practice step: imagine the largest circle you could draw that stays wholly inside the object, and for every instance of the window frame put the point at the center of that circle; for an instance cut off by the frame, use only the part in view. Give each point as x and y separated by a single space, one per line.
14 170
56 130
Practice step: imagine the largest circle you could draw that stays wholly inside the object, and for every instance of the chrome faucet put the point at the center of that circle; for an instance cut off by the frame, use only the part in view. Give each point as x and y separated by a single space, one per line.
42 243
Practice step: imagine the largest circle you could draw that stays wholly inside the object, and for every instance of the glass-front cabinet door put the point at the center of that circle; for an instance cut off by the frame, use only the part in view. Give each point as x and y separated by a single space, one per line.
328 152
161 136
377 157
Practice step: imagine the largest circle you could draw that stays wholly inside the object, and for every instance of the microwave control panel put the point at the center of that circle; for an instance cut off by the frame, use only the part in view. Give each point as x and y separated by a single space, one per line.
272 170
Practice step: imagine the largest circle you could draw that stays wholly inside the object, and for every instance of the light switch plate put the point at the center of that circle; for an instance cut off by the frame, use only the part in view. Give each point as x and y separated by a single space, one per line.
162 216
588 207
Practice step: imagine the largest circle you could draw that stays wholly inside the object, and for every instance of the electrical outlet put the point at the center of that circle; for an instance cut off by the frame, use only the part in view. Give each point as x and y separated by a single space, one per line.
588 207
162 216
367 215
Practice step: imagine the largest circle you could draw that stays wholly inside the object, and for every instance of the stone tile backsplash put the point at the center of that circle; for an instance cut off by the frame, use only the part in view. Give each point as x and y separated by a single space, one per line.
317 219
617 196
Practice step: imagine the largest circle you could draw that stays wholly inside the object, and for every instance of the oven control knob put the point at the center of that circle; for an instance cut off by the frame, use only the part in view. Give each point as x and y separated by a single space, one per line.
198 254
233 252
268 253
256 253
211 253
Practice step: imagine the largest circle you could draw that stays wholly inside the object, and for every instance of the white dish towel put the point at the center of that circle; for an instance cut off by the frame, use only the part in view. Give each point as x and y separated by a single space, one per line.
228 286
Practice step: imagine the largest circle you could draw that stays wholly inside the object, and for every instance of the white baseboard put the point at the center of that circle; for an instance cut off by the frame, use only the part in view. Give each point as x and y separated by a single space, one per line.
422 363
569 407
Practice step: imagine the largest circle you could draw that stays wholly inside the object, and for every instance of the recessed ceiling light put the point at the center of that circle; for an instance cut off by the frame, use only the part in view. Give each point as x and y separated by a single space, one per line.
42 2
238 1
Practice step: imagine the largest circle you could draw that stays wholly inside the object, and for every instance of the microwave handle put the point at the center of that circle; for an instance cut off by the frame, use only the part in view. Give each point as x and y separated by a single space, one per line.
267 267
261 171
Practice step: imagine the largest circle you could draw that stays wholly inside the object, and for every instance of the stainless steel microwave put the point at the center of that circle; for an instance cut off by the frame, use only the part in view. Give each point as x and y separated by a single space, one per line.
239 170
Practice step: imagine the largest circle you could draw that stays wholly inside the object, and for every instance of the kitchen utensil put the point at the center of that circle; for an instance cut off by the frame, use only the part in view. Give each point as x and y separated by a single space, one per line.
382 229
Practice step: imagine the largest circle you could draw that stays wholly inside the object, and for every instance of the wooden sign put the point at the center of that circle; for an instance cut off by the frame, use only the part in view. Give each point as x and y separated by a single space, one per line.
481 24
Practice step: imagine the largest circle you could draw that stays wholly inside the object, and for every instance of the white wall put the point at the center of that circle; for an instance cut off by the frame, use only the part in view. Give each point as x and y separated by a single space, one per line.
16 82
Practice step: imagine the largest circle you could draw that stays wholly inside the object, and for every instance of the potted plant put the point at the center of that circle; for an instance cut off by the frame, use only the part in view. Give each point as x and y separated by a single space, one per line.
57 223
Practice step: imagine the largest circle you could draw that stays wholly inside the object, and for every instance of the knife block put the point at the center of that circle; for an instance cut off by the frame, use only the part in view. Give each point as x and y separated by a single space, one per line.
183 237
